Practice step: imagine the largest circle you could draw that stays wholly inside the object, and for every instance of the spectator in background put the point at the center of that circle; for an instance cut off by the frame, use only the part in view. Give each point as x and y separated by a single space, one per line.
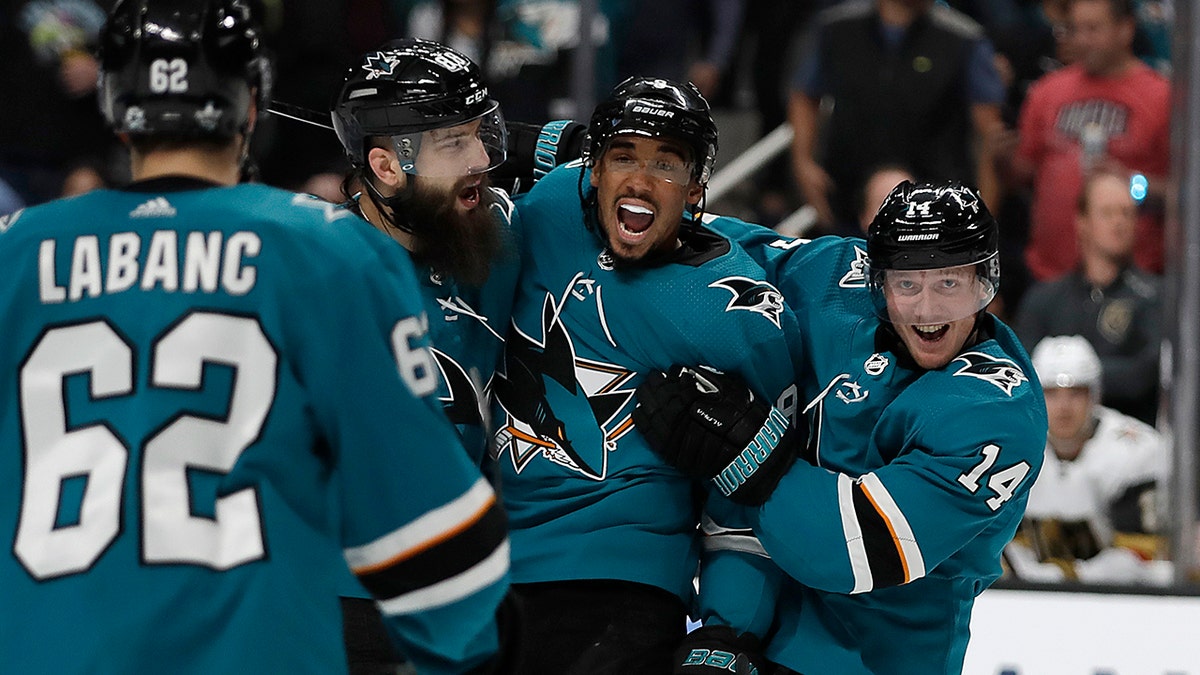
1153 41
48 77
1122 106
677 54
771 29
1029 45
909 82
311 41
876 188
524 47
1092 513
1114 305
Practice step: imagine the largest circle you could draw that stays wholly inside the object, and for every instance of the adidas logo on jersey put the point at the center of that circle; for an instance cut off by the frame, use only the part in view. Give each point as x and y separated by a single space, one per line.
158 207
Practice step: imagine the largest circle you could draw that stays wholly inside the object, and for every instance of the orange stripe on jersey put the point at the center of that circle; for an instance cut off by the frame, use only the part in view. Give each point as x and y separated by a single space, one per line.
616 433
430 543
891 528
521 435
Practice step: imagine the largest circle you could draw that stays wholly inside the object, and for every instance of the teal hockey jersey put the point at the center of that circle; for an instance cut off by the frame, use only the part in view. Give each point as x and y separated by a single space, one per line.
586 496
913 481
467 325
218 398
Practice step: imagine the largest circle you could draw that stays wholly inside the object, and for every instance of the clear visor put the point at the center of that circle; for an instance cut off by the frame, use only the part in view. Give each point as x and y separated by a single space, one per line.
474 147
933 297
665 164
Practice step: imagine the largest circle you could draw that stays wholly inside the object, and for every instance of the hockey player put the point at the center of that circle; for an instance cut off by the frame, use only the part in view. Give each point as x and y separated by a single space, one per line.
1092 513
619 280
927 426
423 137
221 391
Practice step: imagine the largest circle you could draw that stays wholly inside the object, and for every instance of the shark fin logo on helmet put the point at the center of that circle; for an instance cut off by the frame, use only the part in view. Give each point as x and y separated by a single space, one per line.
753 296
1001 372
380 64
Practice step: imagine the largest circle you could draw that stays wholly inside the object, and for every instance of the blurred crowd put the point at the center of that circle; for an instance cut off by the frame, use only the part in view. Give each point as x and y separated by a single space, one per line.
1058 110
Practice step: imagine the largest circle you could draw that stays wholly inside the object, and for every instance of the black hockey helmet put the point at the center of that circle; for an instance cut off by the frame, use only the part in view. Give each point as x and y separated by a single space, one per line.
410 86
927 227
652 107
182 68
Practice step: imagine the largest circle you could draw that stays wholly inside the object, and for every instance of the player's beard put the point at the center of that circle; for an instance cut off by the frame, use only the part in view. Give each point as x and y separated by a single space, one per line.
453 242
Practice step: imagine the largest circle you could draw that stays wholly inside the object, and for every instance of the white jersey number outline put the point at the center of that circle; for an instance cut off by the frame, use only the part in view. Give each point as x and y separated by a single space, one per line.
1003 482
54 453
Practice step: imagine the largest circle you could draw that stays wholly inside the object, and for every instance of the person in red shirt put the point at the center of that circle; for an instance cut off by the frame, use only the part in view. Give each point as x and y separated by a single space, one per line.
1107 110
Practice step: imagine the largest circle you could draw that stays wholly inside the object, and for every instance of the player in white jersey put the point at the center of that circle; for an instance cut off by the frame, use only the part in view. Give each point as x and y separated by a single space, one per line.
1093 513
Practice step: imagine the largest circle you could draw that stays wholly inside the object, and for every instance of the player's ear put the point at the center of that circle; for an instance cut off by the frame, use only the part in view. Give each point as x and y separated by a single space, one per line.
386 167
694 192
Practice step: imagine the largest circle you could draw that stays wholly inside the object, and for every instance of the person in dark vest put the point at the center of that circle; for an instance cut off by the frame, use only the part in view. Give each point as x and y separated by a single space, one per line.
909 83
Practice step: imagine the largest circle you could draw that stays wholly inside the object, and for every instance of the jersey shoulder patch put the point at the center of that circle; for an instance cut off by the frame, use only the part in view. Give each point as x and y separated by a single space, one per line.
1003 373
751 295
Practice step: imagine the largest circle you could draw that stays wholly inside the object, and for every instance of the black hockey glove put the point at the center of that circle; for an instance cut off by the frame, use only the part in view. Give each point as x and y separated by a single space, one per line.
535 149
710 425
719 650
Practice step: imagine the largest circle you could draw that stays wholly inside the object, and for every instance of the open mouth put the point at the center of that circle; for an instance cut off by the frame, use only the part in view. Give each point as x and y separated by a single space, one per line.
931 333
633 220
468 197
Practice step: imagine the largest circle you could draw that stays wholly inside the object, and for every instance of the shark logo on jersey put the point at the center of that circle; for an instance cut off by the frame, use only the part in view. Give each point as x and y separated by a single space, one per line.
753 296
856 276
463 403
1001 372
542 379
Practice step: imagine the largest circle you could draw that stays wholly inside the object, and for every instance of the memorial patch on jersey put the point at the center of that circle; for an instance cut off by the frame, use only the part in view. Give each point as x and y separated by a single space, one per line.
753 296
1001 372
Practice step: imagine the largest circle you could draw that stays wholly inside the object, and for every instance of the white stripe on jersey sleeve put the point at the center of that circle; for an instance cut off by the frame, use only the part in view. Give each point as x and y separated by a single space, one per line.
863 581
478 577
910 552
425 531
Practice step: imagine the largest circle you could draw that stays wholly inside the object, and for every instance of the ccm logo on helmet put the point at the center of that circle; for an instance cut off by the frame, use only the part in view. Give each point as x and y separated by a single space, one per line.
657 112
